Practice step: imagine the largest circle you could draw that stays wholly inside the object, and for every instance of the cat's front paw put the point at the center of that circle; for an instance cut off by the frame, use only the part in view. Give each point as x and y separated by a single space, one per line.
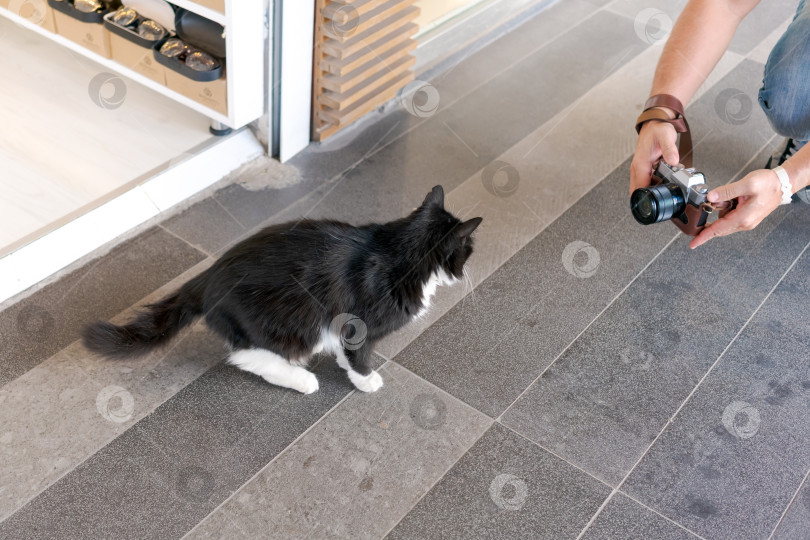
366 383
307 384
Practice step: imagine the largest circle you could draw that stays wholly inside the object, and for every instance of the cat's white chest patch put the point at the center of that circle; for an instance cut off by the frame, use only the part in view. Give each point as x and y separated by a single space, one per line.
429 289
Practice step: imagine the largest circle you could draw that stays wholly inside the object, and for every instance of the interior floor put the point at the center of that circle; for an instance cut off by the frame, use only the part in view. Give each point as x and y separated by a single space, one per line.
74 133
599 379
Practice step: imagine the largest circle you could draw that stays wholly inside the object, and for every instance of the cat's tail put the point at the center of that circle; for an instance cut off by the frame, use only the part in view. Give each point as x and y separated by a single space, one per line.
152 327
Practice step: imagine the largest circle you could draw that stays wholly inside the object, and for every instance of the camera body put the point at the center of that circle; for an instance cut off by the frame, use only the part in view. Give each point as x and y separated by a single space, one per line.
676 193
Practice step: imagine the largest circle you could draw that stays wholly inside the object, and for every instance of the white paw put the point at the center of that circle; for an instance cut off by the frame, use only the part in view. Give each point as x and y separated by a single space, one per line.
307 384
369 383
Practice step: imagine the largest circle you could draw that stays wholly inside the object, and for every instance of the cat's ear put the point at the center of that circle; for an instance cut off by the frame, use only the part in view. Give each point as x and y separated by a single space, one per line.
467 228
436 196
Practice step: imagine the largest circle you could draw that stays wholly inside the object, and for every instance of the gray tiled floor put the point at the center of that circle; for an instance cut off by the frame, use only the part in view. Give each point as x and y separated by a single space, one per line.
600 381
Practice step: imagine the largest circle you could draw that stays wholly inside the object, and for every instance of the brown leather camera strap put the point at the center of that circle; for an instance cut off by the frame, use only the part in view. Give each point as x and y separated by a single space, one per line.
652 114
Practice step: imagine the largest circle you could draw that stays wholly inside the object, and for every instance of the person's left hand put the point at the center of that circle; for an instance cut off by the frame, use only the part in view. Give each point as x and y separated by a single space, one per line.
758 194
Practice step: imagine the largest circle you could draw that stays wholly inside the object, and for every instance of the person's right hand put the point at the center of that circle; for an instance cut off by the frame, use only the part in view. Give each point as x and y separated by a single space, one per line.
656 140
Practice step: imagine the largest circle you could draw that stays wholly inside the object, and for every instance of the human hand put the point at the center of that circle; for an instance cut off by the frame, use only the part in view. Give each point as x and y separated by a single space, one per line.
656 139
758 194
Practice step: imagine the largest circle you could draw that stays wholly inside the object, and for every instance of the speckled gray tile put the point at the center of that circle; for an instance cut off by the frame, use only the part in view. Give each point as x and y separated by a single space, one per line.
754 28
762 20
605 400
393 446
50 319
168 471
729 463
206 226
64 410
455 143
796 523
505 487
626 519
251 207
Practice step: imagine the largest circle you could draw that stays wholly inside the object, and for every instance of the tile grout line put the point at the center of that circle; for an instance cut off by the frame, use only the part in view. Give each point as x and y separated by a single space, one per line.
654 511
282 452
192 246
577 467
792 499
669 422
433 485
620 293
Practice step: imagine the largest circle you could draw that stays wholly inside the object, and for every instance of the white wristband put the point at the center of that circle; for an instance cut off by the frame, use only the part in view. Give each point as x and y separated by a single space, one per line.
787 189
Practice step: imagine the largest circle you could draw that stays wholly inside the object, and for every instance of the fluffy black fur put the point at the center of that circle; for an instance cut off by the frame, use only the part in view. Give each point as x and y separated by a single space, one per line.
278 289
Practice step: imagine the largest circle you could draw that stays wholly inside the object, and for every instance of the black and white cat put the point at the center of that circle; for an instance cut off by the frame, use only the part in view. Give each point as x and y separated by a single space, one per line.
296 289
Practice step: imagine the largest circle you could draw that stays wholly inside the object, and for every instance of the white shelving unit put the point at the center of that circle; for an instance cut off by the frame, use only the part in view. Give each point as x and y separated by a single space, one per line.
244 22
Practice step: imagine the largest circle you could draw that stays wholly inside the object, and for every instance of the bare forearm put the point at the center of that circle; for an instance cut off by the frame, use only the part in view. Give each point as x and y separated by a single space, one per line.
697 42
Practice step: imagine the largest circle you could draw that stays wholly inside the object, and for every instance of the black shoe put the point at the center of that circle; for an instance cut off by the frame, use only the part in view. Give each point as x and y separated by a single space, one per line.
782 153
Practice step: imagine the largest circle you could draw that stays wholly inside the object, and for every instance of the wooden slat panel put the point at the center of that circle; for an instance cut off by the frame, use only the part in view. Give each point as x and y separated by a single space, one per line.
317 72
342 13
345 100
342 84
359 41
378 97
340 67
358 24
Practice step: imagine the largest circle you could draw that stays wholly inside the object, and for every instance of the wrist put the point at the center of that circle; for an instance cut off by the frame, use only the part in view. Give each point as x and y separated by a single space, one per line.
671 113
784 187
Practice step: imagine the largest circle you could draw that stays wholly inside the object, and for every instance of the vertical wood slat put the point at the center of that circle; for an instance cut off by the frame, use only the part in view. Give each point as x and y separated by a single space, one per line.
362 58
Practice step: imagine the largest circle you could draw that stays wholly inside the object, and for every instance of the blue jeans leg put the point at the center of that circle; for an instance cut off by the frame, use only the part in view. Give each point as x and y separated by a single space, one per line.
785 92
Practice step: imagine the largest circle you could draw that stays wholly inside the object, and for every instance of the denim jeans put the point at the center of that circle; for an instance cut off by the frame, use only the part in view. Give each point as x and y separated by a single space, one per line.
785 92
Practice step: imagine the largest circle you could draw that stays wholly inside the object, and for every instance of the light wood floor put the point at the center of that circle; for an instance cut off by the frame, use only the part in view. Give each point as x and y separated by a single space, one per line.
60 150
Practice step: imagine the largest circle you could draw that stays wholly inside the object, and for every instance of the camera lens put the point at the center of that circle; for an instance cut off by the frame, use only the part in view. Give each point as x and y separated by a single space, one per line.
657 203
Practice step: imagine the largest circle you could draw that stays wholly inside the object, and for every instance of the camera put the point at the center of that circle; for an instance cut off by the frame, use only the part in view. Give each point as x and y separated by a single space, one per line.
676 193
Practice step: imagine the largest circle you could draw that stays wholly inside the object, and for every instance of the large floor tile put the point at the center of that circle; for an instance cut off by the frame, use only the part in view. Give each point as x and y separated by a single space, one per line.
206 226
64 410
52 318
505 487
606 399
795 525
731 460
625 518
167 472
393 445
